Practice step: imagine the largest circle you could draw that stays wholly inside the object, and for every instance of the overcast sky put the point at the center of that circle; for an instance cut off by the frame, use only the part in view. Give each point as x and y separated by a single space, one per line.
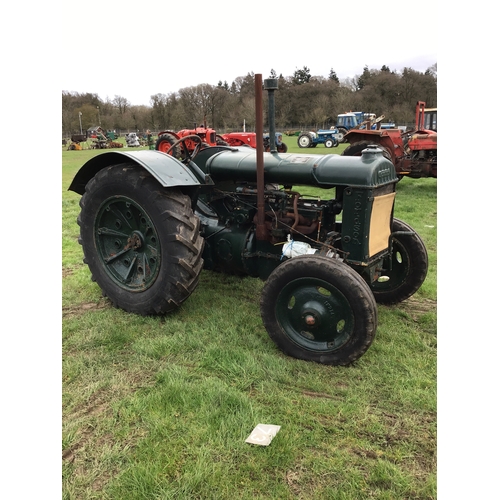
135 52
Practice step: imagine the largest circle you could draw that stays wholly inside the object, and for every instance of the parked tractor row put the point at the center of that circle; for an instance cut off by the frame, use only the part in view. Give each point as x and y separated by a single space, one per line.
413 153
209 137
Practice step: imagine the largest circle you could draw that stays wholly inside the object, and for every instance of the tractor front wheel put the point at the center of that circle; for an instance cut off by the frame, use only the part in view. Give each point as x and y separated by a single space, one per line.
140 241
318 309
330 143
405 270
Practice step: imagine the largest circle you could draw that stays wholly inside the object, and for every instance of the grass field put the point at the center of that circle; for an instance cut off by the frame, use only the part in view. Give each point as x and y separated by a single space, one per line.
160 407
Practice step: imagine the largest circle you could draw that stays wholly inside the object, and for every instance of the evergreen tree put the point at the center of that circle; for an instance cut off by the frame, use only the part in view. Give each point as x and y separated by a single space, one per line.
333 76
364 78
301 76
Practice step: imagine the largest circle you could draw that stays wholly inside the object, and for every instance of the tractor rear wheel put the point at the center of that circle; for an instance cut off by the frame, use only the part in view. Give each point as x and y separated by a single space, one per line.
318 309
304 140
342 132
220 141
140 241
406 269
164 142
356 148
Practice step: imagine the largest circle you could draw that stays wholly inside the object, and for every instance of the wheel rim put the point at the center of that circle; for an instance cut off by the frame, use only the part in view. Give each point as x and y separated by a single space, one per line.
163 146
395 270
128 244
304 141
314 314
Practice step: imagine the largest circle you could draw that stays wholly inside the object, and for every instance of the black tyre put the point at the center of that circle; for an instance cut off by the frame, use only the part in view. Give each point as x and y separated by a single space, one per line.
330 143
319 309
405 271
356 149
282 148
342 132
304 140
165 142
141 241
220 141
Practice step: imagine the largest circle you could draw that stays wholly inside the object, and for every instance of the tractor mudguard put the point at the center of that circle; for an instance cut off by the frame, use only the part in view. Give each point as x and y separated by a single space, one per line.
166 169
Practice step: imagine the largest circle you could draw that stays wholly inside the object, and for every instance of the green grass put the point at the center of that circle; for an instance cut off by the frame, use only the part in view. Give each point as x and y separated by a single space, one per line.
159 408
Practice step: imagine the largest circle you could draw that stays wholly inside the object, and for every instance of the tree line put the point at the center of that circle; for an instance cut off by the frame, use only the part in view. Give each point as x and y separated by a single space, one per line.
302 101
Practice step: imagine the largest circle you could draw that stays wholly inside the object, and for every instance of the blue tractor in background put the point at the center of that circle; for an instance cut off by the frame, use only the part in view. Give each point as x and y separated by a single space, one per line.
330 138
360 120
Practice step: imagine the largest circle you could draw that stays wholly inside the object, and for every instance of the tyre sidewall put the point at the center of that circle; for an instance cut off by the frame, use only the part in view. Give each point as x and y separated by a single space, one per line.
136 184
348 282
413 248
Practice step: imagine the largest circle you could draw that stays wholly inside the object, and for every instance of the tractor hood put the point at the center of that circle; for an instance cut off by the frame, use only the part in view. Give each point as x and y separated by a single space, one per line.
371 169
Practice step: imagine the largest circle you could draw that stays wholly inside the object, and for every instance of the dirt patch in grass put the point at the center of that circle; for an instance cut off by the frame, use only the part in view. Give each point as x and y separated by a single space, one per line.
79 309
415 307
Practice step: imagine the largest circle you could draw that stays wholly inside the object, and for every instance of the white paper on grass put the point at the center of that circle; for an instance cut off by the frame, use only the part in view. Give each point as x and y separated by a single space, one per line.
263 434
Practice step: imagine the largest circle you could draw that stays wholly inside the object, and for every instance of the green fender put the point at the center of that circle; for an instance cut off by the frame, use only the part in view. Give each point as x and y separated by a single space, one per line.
166 169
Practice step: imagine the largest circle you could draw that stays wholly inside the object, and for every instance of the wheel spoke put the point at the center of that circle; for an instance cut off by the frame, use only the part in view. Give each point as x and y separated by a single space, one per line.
111 258
128 273
111 232
128 244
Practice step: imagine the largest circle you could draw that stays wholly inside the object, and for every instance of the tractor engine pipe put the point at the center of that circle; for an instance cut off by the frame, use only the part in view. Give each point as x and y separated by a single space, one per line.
271 84
260 231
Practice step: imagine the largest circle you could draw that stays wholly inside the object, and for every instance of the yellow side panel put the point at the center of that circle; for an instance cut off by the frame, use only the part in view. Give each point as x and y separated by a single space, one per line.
380 223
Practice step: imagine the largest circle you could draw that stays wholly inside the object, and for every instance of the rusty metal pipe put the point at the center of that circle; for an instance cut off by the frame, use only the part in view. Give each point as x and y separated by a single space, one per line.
261 231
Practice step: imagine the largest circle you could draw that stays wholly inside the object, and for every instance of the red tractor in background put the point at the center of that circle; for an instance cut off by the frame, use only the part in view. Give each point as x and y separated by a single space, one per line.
413 153
170 142
250 139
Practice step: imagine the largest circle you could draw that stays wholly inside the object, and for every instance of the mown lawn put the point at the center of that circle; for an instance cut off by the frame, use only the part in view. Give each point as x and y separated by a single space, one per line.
160 407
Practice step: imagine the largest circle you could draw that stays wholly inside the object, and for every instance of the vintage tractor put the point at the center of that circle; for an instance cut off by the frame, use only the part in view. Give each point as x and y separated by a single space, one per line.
330 138
250 139
414 152
168 138
149 223
104 140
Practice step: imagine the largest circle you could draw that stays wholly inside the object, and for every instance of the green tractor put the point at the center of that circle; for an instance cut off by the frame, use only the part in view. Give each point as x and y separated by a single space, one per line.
150 223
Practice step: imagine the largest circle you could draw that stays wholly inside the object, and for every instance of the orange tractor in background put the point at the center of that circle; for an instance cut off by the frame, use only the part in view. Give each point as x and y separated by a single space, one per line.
250 139
171 142
413 152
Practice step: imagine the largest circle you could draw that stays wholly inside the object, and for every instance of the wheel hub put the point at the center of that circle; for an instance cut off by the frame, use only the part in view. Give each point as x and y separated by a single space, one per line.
310 320
314 315
135 241
128 244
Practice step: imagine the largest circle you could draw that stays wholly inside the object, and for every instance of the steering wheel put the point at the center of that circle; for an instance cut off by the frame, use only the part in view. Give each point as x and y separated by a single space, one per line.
187 156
